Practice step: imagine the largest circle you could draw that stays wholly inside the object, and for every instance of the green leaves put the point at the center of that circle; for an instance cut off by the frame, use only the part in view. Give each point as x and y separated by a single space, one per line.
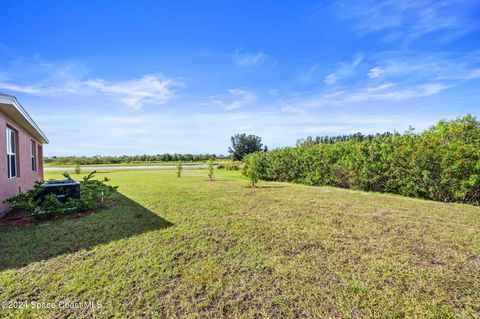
442 163
252 169
94 194
243 144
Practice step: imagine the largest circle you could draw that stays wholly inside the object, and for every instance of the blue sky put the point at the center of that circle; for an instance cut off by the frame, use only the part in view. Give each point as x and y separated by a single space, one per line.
133 77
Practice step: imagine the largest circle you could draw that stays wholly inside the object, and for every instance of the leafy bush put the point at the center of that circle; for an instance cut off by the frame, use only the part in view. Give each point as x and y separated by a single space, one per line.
93 192
28 201
442 163
78 169
50 206
93 195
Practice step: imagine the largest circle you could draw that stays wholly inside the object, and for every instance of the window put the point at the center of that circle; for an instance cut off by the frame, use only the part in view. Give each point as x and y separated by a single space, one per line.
11 153
33 155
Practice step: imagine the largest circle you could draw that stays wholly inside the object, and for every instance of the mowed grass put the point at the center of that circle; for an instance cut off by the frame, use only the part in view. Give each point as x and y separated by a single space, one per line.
193 248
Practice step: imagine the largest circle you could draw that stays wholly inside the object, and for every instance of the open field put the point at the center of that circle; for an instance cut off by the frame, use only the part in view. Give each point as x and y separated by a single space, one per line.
172 163
189 247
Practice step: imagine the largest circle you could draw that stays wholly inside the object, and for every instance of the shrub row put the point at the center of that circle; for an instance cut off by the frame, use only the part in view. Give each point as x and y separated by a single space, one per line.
442 163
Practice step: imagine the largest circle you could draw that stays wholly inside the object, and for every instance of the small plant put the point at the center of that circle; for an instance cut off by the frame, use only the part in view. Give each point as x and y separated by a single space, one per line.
179 169
210 170
77 170
251 170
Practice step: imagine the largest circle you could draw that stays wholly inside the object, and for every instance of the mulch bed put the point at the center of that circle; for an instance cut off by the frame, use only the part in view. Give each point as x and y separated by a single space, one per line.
18 217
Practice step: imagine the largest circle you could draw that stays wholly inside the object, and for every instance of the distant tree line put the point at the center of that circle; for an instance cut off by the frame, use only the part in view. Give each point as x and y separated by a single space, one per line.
441 163
126 159
309 141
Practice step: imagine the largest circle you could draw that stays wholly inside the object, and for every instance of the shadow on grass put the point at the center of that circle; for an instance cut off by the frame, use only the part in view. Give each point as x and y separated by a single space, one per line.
20 246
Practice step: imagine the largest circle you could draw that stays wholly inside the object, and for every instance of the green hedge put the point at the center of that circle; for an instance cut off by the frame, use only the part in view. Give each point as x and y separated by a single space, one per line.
442 163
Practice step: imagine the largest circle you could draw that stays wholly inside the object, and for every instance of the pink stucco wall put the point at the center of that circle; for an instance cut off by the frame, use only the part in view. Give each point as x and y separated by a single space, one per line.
25 176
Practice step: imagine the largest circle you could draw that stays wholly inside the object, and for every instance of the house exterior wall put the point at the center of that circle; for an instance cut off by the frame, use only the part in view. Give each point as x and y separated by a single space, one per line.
26 177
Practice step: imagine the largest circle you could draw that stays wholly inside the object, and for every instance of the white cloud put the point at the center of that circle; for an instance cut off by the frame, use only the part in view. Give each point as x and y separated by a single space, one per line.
309 75
64 79
434 67
149 89
461 74
21 88
273 92
412 19
388 76
396 68
249 58
382 92
344 70
237 98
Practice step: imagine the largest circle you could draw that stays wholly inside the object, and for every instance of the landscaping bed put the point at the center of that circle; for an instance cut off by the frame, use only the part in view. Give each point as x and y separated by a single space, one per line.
16 218
58 198
19 217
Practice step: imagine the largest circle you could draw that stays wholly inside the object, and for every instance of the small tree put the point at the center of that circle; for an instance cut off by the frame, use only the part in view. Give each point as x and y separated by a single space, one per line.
179 169
210 169
77 170
243 144
251 170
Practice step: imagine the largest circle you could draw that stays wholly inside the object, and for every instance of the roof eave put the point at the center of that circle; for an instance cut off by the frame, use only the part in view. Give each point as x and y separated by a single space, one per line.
9 99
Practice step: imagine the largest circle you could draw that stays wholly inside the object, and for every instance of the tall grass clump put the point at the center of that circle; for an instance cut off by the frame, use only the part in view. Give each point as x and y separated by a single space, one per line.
442 163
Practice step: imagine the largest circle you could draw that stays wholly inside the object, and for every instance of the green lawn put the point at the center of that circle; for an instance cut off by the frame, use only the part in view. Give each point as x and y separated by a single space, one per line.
189 247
